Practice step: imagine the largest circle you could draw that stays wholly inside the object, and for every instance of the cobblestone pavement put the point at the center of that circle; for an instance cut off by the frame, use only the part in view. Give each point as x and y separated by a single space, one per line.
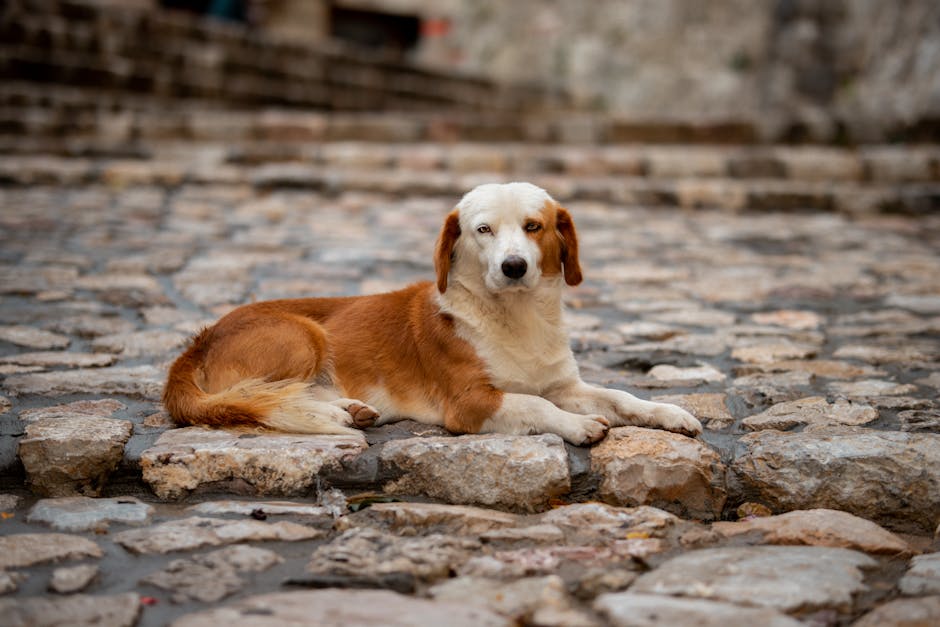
808 343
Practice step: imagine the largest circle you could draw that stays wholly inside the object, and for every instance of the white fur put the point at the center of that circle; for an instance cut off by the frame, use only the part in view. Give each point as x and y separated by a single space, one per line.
516 328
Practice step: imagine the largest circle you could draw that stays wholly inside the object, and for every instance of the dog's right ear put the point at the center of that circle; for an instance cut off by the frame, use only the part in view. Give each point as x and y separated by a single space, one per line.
444 252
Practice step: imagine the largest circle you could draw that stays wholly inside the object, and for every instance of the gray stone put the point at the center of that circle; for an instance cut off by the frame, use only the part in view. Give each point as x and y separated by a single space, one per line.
761 388
140 343
811 410
182 460
103 408
191 533
410 518
137 381
10 581
819 527
920 420
270 508
513 472
47 359
871 387
704 372
531 600
350 608
922 577
32 337
547 560
710 407
81 513
212 576
922 612
629 609
920 304
595 522
788 579
120 610
72 579
792 319
371 552
27 549
769 353
640 466
63 457
89 325
888 477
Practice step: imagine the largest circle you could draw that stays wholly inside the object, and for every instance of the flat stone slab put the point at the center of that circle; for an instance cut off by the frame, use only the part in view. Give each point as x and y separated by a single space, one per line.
183 460
456 519
814 410
32 337
120 610
889 477
48 359
187 534
638 466
72 579
104 408
72 455
923 576
81 513
819 527
788 579
627 609
350 608
505 471
922 612
19 550
269 508
138 381
710 407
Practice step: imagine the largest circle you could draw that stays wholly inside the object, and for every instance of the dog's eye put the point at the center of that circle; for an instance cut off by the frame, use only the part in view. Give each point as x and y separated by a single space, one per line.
484 228
532 227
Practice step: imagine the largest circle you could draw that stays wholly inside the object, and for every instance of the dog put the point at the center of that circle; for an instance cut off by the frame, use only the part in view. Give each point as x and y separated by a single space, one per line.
483 349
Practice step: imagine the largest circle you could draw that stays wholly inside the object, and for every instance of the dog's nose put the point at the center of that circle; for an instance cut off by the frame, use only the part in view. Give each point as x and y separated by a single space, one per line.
514 266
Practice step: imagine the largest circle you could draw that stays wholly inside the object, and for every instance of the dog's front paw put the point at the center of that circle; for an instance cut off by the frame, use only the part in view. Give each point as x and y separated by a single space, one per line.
361 415
590 430
674 418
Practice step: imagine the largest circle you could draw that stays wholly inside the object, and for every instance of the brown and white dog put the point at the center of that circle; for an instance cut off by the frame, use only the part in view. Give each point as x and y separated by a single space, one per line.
481 350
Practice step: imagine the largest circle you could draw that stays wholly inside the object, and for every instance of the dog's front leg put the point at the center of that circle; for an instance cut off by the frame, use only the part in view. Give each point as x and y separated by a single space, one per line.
525 414
622 408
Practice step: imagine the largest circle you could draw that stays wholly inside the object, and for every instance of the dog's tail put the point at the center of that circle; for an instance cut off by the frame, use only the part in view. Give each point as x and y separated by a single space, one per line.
279 405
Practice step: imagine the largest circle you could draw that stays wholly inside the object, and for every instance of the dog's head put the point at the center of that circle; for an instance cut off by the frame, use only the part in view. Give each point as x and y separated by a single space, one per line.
507 238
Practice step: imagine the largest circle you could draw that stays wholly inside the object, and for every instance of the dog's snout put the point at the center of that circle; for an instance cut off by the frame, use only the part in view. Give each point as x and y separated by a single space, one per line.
514 267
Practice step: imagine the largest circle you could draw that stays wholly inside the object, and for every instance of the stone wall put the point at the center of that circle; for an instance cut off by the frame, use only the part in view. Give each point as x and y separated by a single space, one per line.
861 70
172 55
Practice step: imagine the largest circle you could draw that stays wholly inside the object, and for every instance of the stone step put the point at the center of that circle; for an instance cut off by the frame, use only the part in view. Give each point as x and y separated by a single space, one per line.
687 191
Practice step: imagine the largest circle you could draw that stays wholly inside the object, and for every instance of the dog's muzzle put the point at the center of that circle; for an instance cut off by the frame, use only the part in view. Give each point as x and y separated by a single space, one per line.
514 267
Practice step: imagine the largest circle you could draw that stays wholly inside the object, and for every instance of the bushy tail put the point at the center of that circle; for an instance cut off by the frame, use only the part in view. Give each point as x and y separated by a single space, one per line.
280 405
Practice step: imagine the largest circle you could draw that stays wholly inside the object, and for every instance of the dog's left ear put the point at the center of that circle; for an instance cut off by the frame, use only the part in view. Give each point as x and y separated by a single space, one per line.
445 249
569 248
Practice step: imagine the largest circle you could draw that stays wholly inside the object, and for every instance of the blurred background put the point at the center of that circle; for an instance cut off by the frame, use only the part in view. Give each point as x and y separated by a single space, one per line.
827 71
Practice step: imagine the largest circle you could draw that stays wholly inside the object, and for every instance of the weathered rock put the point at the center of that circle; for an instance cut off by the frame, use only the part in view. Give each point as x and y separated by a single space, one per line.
120 610
547 560
32 337
531 600
10 581
888 477
5 404
788 579
819 527
640 466
921 612
92 325
920 420
704 372
628 609
601 522
871 387
877 355
68 580
191 533
769 353
597 581
212 576
53 359
710 408
182 460
269 508
533 534
825 368
124 289
138 381
762 388
371 552
135 344
26 549
789 318
411 518
811 410
81 513
513 472
8 502
351 608
103 407
922 577
67 456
